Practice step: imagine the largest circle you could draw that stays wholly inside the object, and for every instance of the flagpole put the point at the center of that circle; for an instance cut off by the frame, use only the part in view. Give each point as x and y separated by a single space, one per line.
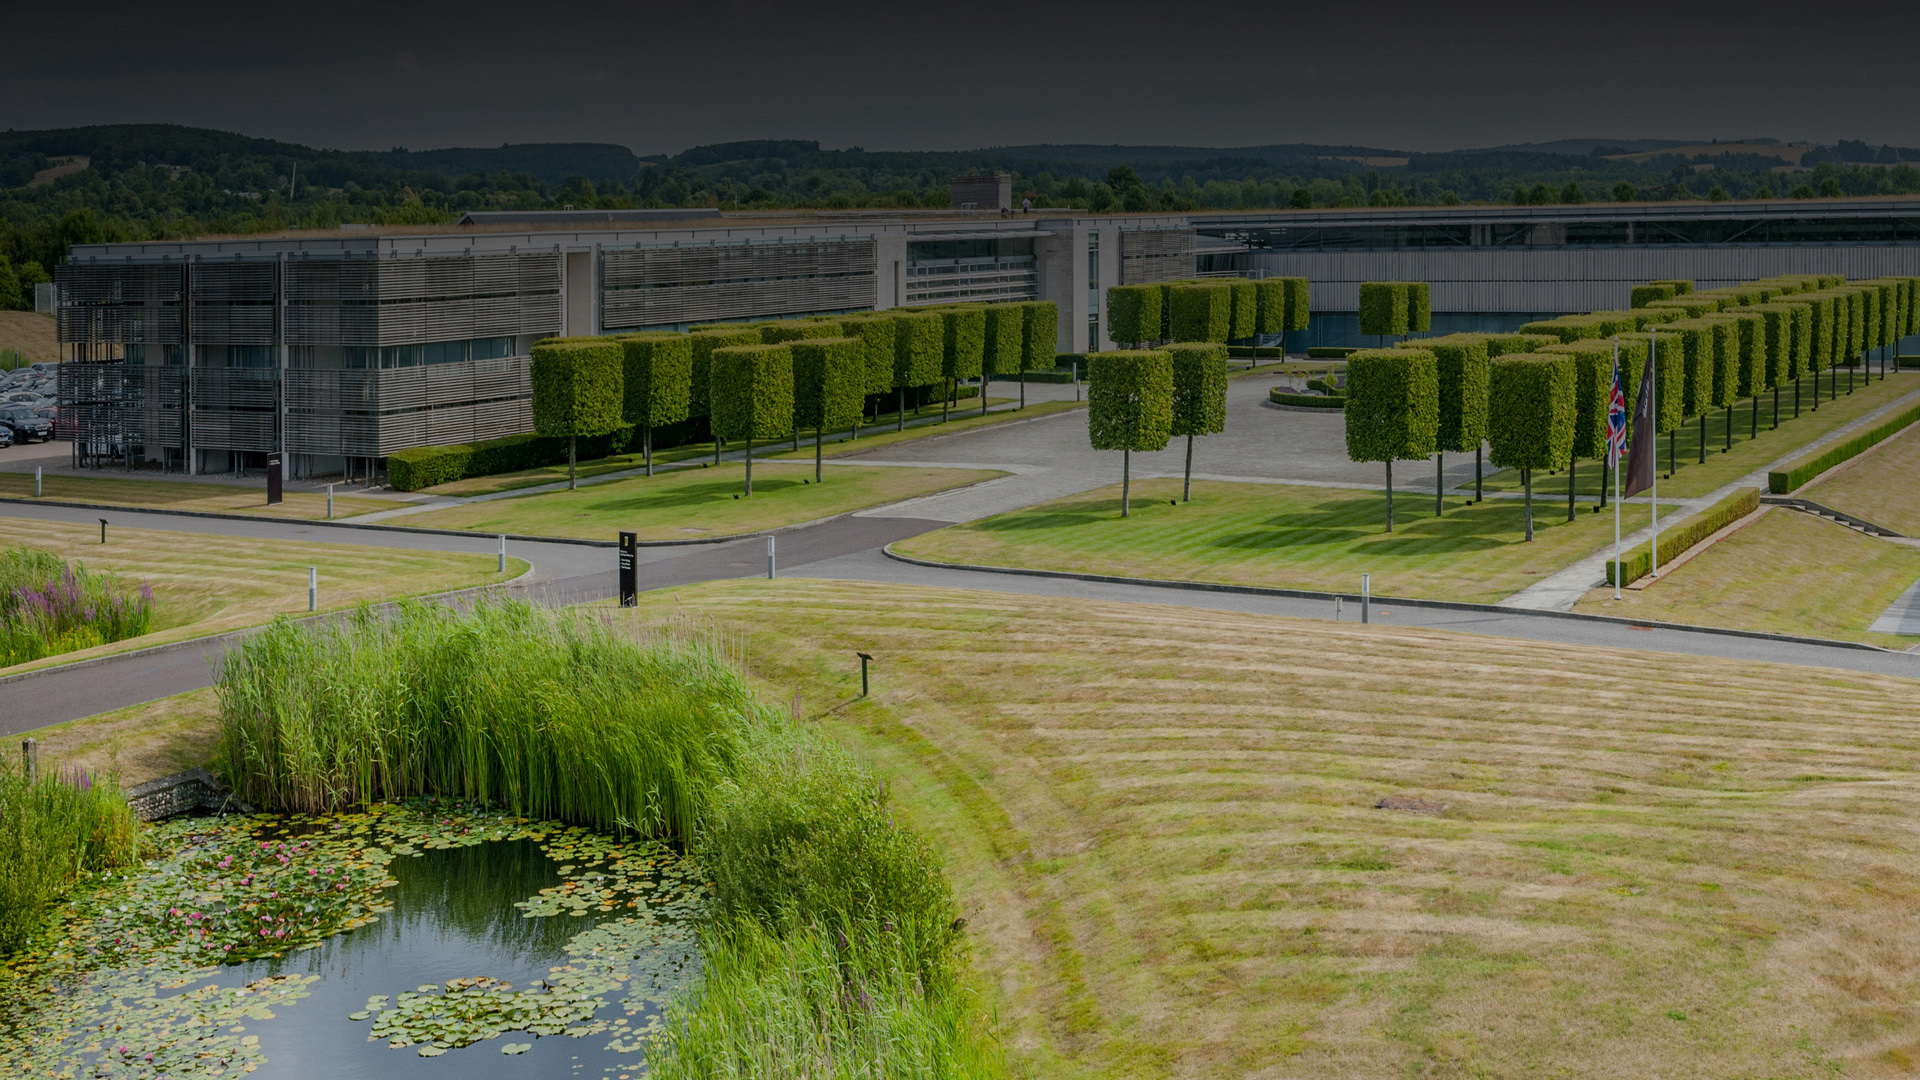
1613 452
1653 343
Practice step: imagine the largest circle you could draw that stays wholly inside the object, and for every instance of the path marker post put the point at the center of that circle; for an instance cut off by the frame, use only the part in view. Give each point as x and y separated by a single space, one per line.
1366 597
103 530
37 470
503 554
329 502
864 659
30 756
769 558
313 588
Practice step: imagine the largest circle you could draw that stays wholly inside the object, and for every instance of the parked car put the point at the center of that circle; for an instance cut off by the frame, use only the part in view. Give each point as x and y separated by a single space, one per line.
25 426
51 415
6 435
22 397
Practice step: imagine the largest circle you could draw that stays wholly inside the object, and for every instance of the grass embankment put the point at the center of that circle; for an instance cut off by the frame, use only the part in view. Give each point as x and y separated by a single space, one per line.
208 585
31 333
693 503
188 495
1285 537
835 947
1787 573
140 742
55 827
1163 826
1882 487
1748 455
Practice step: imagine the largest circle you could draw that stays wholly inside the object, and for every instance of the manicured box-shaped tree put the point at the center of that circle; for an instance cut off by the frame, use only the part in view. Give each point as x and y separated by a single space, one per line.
658 384
753 395
1243 314
1133 313
1530 415
1393 408
1200 312
1681 286
1646 294
1383 308
1419 307
1039 339
1592 396
703 343
1199 396
1129 407
774 333
963 348
1006 332
918 353
1283 307
578 390
829 386
1461 372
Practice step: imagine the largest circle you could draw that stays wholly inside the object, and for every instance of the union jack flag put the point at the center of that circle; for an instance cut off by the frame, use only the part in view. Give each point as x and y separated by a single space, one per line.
1617 415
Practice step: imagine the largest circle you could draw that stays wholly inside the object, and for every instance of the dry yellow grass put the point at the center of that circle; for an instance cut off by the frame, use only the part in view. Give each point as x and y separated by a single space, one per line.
139 743
188 495
30 333
1787 573
207 585
1882 487
1162 823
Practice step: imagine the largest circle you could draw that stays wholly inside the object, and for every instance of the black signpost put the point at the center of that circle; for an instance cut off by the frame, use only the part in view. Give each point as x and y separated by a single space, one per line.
273 479
629 593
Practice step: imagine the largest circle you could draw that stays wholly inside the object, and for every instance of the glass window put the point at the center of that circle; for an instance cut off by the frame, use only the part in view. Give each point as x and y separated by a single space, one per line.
443 352
250 356
361 356
492 348
399 356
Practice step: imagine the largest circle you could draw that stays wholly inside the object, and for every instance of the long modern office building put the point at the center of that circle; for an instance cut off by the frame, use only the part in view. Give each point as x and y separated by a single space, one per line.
342 347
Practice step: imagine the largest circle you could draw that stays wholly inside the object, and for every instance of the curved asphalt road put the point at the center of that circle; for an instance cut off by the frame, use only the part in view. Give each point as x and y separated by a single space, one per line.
845 548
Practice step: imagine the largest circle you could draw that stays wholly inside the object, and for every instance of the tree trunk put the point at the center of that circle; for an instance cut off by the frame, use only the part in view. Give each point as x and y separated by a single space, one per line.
1753 424
1439 483
1673 452
1776 408
718 442
1477 493
984 380
1729 445
1389 496
1796 397
1573 464
1606 470
816 455
749 468
1526 476
1023 389
1126 481
900 422
1186 489
646 446
946 402
1703 436
571 485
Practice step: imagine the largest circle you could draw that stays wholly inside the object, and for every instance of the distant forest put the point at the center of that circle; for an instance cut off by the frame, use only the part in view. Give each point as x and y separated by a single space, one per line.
163 181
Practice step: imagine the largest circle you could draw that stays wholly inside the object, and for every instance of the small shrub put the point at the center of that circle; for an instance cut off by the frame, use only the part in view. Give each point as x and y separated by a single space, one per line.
1200 312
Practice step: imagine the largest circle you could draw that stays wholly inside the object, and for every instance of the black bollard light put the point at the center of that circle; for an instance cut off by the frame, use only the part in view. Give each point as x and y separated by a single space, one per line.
864 658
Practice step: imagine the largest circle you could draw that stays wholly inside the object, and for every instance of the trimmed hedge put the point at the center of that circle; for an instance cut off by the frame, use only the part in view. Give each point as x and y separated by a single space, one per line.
1283 304
1565 328
425 466
877 333
577 387
918 348
1243 319
1652 316
1005 338
829 382
1040 336
700 370
1675 542
1393 404
1461 368
1383 307
1820 330
1331 352
1133 313
1419 307
1784 481
774 333
1645 294
1499 345
1592 393
1530 411
1200 312
1696 339
1633 362
1693 306
1774 343
964 342
1681 286
1751 360
658 379
753 392
1130 399
1306 401
1199 388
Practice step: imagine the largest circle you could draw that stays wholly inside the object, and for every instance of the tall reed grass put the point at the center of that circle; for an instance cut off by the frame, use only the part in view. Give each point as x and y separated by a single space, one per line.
55 827
550 715
49 606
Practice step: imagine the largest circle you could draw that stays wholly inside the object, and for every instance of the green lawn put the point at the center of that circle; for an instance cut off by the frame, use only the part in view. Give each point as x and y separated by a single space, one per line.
1722 468
699 502
145 491
872 438
1162 826
1787 573
1287 537
1881 486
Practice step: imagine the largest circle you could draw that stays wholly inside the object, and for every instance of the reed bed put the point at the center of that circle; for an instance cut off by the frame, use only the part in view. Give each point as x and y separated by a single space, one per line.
549 715
49 606
55 827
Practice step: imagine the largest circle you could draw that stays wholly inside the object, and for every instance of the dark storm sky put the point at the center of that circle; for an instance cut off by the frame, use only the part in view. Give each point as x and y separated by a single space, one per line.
906 75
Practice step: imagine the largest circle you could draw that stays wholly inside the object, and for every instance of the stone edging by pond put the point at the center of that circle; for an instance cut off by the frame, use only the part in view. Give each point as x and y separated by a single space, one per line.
195 789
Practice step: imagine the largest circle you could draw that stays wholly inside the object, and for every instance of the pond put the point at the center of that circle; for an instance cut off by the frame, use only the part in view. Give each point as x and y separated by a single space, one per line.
419 941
